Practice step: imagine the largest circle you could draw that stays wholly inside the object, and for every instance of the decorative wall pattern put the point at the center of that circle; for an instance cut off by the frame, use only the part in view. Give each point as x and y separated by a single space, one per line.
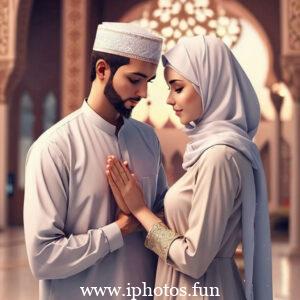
4 72
291 74
4 26
294 24
21 26
74 44
176 18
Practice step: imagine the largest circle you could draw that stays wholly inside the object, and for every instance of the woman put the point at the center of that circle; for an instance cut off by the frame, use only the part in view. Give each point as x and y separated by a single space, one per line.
222 198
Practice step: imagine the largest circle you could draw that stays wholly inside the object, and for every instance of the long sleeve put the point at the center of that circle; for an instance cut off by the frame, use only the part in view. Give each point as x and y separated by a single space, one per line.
216 186
52 254
161 187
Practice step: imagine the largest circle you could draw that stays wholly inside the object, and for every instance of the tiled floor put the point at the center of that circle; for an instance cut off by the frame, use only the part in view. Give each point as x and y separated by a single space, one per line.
17 283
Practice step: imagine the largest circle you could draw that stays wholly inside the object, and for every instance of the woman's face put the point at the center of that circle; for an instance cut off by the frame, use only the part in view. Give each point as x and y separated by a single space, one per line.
186 102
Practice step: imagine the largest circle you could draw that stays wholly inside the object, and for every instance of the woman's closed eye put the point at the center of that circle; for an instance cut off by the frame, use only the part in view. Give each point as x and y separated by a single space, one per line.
179 90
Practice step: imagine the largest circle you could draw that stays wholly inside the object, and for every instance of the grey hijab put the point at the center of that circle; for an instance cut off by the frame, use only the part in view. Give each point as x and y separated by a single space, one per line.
230 117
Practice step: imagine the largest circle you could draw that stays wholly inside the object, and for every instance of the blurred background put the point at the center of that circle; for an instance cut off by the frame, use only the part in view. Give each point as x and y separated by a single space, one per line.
45 48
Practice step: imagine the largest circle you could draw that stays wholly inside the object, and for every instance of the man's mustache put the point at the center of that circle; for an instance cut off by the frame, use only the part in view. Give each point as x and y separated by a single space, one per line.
134 99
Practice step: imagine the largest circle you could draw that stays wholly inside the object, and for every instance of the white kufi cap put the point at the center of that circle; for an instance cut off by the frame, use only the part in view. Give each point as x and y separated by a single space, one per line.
128 40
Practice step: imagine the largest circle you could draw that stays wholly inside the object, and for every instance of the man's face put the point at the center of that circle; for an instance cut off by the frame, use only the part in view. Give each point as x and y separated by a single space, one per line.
128 85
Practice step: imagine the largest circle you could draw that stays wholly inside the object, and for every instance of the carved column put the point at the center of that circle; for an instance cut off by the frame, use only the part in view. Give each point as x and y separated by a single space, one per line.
13 38
275 192
291 68
6 61
74 45
5 69
291 72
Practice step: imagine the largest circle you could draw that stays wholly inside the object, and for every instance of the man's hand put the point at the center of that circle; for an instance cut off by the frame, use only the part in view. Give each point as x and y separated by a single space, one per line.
117 195
127 224
121 179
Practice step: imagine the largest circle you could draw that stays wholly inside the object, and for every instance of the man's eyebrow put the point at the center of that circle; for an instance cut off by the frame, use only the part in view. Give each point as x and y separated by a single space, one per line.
139 74
152 78
143 75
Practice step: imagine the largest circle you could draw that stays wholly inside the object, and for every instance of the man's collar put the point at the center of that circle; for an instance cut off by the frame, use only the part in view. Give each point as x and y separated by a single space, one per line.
98 121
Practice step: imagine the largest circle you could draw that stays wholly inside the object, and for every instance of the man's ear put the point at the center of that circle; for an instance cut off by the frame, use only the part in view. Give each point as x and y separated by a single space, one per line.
102 69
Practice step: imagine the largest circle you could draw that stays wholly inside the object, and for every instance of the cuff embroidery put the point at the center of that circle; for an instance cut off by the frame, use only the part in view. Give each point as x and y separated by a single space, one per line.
159 239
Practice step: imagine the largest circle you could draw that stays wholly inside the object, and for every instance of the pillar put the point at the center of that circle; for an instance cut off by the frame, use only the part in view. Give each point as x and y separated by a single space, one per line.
290 30
8 15
275 193
74 47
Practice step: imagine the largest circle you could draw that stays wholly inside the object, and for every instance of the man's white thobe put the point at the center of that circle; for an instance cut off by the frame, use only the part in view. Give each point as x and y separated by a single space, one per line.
71 236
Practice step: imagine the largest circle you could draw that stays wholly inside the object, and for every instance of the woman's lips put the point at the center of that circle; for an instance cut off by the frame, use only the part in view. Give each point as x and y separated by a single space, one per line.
178 111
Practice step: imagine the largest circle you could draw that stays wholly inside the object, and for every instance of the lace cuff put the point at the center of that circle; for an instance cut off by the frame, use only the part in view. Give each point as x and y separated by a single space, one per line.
159 239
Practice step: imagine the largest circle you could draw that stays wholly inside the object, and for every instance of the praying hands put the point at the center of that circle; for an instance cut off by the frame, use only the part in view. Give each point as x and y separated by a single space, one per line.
124 186
128 194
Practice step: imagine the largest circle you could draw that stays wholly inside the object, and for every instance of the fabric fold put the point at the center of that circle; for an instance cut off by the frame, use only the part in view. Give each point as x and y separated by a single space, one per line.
231 116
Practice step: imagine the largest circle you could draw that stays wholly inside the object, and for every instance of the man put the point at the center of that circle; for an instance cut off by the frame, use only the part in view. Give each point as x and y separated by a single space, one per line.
74 240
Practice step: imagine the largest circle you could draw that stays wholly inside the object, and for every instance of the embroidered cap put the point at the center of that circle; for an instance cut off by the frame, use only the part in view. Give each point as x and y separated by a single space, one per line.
128 40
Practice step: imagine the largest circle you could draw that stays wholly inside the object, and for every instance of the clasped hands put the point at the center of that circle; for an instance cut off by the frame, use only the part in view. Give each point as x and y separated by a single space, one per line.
127 193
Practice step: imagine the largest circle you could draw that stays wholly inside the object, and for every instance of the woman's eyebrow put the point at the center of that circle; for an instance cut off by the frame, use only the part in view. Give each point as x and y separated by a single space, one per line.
173 81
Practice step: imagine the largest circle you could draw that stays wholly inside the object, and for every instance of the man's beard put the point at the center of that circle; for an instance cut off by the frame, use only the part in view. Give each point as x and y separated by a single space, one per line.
115 99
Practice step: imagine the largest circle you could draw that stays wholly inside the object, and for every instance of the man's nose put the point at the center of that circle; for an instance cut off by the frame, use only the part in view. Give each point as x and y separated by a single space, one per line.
142 92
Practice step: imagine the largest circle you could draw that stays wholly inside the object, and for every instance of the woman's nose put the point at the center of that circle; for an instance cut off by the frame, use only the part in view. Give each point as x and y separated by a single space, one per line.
170 101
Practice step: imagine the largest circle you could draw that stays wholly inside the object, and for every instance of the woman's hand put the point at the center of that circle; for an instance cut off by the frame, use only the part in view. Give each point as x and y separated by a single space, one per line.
125 185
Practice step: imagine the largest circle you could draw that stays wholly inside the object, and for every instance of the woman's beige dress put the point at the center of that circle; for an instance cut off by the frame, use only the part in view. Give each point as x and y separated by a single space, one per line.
204 207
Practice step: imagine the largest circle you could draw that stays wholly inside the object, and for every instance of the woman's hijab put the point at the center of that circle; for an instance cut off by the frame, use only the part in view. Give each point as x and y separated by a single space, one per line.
231 116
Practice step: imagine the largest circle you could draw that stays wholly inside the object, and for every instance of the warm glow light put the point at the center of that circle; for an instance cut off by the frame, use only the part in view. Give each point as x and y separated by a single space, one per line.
251 53
159 111
176 18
